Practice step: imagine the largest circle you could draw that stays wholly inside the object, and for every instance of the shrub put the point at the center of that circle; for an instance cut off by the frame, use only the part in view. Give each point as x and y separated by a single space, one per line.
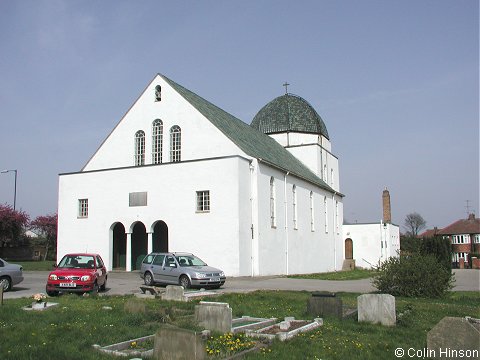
413 276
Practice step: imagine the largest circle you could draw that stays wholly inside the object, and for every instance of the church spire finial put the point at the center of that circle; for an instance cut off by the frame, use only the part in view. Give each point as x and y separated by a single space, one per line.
286 87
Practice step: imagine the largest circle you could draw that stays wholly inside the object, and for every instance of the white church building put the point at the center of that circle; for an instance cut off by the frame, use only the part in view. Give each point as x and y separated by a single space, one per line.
178 173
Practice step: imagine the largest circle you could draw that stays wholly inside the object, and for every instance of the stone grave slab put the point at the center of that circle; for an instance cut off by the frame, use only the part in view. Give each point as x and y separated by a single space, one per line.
214 316
377 309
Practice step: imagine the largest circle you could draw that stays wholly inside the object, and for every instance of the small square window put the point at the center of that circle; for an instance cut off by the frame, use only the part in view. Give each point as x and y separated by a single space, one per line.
83 208
203 201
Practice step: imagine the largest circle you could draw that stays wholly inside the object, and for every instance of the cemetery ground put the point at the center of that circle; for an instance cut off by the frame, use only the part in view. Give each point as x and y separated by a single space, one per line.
68 330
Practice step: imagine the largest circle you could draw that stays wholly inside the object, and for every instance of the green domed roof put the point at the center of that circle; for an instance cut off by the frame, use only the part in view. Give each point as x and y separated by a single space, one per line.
289 113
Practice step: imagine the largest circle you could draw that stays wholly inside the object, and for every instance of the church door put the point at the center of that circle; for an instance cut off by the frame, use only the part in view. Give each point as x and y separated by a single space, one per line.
348 249
160 237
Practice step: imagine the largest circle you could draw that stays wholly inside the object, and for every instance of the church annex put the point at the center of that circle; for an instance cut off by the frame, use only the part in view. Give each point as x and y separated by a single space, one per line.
178 173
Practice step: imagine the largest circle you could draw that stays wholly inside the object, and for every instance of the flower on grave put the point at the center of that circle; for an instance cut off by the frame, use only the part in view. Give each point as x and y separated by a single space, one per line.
39 297
133 344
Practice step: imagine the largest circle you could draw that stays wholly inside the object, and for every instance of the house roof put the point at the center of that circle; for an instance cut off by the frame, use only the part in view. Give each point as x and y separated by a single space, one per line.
289 113
248 139
463 226
429 233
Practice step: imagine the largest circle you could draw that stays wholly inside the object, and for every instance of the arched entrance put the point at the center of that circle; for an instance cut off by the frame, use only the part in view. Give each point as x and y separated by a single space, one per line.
348 249
139 244
160 237
119 241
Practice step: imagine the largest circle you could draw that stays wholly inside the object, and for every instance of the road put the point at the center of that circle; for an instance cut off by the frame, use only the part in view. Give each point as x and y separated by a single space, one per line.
126 283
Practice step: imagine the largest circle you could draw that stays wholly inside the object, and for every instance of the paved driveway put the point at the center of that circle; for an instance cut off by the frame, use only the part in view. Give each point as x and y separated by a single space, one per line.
125 283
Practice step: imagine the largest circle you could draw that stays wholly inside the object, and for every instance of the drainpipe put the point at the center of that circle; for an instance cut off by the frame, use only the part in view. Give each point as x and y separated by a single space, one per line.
286 220
335 214
252 168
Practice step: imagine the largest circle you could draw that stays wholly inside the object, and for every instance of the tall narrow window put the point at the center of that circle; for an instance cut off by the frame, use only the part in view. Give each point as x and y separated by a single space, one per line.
273 211
203 201
294 202
157 141
139 148
158 93
82 208
312 213
175 143
326 213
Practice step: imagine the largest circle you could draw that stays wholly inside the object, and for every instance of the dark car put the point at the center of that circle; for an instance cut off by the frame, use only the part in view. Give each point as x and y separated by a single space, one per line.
10 274
79 273
183 269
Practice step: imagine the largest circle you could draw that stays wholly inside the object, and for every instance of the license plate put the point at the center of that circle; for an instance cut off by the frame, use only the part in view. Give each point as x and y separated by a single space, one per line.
215 279
68 285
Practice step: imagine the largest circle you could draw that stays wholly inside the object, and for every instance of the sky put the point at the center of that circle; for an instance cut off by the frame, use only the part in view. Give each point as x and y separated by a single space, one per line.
396 83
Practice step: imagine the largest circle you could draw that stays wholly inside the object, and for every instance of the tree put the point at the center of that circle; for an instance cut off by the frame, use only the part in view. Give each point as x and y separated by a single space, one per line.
12 225
414 222
47 226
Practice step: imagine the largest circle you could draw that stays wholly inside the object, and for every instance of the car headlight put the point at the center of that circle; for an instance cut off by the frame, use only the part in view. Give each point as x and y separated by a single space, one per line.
85 278
53 277
200 276
222 274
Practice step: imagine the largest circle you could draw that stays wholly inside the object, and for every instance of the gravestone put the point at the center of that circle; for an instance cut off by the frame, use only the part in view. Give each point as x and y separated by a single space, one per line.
172 343
174 293
376 309
324 304
454 336
133 306
214 316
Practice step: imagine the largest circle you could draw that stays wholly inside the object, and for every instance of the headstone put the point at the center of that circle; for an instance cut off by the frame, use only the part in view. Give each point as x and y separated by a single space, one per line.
325 304
134 306
174 293
454 338
377 309
214 316
172 343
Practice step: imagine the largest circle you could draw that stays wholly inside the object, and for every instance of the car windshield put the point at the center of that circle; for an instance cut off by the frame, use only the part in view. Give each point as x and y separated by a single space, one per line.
77 262
189 260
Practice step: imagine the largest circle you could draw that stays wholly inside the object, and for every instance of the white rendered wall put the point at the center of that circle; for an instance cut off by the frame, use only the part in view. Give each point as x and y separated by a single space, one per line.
372 243
214 236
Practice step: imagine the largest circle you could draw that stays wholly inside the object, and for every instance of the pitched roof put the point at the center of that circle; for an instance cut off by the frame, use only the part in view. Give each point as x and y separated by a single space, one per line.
249 140
463 226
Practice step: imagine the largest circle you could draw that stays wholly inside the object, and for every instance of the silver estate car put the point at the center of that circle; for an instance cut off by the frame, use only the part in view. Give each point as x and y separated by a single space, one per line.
182 269
10 274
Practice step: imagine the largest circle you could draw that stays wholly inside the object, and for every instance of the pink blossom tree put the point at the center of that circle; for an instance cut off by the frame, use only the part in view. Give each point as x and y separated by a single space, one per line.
12 225
47 227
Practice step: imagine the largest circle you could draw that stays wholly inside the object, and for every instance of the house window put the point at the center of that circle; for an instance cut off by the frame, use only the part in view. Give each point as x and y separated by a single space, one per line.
460 255
326 213
157 141
158 93
312 213
83 208
139 148
476 240
294 202
461 239
175 143
203 201
273 211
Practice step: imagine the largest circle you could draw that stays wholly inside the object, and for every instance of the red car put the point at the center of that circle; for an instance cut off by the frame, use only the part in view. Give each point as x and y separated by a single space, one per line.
80 273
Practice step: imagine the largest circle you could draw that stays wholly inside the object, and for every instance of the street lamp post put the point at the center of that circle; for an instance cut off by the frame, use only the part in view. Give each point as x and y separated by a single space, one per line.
15 192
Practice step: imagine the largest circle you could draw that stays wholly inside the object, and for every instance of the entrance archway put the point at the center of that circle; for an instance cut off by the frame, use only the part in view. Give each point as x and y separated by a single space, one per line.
160 237
139 244
119 241
348 249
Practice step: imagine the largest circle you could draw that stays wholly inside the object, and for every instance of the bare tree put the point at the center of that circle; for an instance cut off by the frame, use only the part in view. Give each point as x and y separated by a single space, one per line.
414 222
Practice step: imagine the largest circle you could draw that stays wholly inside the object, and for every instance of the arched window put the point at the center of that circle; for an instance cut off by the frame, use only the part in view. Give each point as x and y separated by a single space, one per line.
312 213
175 143
273 211
158 93
157 141
139 148
294 202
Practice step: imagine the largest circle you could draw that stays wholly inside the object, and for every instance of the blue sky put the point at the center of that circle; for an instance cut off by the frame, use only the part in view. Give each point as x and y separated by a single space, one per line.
396 82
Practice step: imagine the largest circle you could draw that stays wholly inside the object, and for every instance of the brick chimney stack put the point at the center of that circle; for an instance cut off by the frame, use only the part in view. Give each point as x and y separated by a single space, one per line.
387 212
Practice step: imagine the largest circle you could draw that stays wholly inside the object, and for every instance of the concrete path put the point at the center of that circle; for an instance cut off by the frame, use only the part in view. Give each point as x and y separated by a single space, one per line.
123 283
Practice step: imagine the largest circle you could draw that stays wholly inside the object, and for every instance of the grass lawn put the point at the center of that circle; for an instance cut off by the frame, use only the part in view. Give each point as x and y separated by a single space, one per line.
35 265
69 330
355 274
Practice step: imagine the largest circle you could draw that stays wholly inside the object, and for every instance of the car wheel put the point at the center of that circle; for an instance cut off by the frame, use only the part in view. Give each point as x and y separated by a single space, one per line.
104 285
148 279
6 283
184 281
95 289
